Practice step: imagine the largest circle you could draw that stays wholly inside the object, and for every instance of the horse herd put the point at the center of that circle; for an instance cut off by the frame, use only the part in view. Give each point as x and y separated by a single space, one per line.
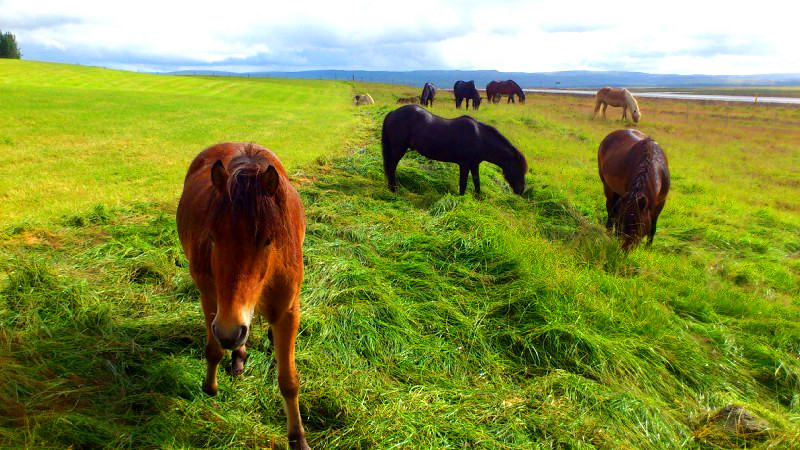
241 223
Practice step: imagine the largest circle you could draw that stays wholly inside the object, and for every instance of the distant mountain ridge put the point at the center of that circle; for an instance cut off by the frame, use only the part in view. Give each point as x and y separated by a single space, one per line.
565 79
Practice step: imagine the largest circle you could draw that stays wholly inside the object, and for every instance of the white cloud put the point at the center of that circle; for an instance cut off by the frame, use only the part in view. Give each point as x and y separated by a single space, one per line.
678 37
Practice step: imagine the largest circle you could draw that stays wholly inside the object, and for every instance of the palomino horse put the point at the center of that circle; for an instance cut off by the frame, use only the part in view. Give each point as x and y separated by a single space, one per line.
363 99
466 90
462 140
617 98
635 177
242 225
428 94
497 88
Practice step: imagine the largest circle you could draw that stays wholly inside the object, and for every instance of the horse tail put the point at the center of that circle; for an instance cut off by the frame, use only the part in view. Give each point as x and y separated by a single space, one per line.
601 94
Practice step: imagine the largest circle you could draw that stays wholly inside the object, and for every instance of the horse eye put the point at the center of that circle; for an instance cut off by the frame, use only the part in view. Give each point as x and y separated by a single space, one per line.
267 242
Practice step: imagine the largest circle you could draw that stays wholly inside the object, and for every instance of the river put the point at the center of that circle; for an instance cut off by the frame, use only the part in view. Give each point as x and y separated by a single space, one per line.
682 96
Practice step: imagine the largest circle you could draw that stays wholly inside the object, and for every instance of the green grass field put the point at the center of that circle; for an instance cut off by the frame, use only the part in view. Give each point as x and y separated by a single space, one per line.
429 320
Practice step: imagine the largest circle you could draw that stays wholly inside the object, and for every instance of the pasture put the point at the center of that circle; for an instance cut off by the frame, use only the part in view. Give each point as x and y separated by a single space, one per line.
429 320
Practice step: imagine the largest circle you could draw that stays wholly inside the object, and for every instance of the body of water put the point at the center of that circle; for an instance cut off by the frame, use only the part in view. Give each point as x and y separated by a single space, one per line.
682 96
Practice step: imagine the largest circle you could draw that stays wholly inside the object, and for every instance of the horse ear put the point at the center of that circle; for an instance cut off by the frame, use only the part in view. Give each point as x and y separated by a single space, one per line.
219 176
270 180
642 203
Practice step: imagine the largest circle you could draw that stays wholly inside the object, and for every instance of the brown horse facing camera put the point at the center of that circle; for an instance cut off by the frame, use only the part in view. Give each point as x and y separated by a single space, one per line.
242 225
635 177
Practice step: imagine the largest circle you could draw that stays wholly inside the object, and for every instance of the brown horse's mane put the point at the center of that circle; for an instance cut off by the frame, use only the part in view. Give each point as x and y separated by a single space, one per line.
518 87
643 170
246 200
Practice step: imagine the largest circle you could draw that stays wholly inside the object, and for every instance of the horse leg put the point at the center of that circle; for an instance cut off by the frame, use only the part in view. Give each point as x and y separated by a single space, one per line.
596 108
238 360
605 105
476 178
624 112
652 234
213 351
612 202
390 160
285 332
458 102
463 174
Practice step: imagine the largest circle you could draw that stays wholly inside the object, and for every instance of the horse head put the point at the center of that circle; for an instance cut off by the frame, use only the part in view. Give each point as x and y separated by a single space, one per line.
244 227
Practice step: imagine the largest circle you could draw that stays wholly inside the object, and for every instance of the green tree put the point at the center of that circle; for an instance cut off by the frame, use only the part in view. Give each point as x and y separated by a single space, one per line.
8 46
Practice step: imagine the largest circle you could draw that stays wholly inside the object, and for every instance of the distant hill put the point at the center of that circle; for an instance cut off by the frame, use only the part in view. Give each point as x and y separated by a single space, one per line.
565 79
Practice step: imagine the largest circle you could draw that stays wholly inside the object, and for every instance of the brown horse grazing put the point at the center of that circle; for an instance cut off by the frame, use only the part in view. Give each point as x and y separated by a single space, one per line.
497 88
242 225
617 98
408 101
462 140
635 177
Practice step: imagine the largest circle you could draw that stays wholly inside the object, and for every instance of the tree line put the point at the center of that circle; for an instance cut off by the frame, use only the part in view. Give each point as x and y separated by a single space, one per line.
8 46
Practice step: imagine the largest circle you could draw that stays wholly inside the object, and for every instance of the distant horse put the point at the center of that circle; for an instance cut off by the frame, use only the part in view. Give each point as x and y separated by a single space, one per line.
462 140
408 101
466 90
242 225
496 88
635 177
617 98
428 94
363 99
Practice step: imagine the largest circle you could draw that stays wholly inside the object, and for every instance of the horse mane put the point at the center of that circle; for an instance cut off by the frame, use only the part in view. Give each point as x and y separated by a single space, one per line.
522 93
643 169
631 99
511 151
246 200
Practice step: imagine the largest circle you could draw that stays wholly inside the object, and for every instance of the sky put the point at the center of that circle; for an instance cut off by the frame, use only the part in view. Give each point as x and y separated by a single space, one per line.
675 37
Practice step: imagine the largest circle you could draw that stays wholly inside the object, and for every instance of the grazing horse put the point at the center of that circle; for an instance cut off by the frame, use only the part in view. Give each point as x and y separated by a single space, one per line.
408 100
242 225
363 99
497 88
617 98
635 177
462 140
428 94
466 90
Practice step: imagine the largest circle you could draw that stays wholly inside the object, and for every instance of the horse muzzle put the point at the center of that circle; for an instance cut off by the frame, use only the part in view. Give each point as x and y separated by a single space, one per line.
230 337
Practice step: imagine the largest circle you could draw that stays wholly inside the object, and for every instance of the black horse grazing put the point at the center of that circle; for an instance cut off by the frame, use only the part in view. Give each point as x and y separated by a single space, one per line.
462 140
428 93
466 90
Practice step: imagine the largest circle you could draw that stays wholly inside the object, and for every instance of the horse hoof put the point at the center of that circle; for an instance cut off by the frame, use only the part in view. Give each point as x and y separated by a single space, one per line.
237 365
210 390
298 442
